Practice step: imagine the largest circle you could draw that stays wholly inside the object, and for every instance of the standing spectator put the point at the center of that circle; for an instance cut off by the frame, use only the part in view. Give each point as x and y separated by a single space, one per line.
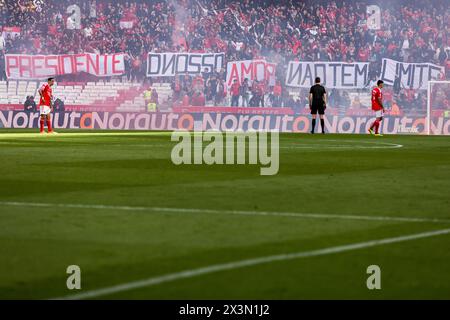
198 99
261 91
397 85
258 94
277 90
136 68
211 88
185 101
220 93
198 84
254 100
186 84
147 96
176 87
206 74
297 105
2 67
154 98
245 92
127 65
235 91
447 66
88 32
152 104
442 55
58 105
30 104
2 43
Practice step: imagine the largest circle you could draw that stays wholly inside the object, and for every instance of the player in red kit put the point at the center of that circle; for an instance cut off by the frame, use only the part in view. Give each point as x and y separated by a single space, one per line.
46 105
377 106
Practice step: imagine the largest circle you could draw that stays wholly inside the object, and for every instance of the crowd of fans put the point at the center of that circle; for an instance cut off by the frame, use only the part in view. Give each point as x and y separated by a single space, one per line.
279 30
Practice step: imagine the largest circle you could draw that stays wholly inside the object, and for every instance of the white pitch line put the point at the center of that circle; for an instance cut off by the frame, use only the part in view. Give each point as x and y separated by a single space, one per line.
379 143
366 145
84 134
292 146
225 212
245 263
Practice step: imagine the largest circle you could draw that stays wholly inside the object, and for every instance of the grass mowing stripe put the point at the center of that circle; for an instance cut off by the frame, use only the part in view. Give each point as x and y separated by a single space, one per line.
247 263
230 212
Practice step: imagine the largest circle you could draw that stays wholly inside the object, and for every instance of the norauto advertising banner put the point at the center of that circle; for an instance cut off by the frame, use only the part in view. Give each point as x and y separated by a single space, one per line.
218 121
412 75
22 66
333 75
170 64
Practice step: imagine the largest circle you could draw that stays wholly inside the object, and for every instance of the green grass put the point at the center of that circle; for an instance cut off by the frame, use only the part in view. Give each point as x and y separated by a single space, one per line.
331 174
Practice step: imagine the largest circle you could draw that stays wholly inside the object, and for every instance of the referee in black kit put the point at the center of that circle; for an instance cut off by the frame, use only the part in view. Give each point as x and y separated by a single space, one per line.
317 103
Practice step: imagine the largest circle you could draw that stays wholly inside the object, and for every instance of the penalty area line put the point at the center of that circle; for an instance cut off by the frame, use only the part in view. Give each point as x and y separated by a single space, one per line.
224 212
246 263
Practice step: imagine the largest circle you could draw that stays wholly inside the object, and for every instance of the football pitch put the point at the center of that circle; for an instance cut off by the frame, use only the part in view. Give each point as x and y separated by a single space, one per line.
140 227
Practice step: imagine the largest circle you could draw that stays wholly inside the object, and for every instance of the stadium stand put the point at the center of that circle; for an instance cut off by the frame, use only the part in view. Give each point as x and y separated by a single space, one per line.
283 31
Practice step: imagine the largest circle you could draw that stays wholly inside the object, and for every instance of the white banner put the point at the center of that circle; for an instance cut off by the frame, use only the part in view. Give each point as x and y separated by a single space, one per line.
11 31
22 66
412 75
251 69
170 64
333 75
126 24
